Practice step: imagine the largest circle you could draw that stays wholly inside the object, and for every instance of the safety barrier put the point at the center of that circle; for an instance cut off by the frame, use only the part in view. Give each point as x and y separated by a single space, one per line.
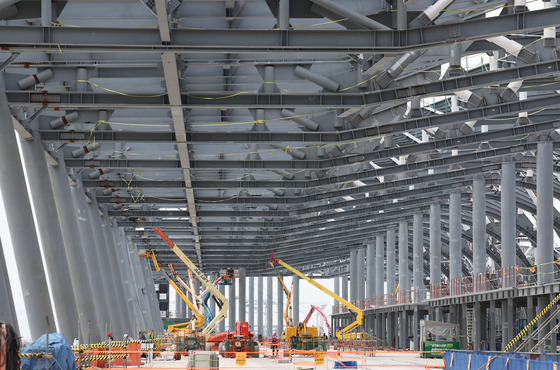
509 277
474 361
533 322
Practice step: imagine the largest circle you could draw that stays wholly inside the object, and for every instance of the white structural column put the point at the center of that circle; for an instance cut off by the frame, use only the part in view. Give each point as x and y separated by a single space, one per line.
7 309
455 258
152 297
344 286
145 320
232 306
370 270
260 306
124 269
54 253
251 301
545 212
295 298
280 307
353 276
242 299
404 279
417 254
479 227
22 227
100 250
118 282
361 281
81 283
336 289
222 324
508 215
435 243
155 301
379 262
269 311
391 264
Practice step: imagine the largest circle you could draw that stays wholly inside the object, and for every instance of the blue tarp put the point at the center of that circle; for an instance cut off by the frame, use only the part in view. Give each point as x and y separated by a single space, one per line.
475 361
63 357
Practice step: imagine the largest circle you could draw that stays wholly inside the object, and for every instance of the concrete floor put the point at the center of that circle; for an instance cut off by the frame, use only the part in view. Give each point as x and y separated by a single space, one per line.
381 360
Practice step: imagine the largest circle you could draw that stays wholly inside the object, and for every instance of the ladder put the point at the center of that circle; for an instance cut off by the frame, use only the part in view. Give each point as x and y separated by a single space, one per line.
470 319
541 342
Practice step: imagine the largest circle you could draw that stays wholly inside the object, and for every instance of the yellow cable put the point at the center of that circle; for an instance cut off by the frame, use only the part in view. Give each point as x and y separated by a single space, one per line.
119 92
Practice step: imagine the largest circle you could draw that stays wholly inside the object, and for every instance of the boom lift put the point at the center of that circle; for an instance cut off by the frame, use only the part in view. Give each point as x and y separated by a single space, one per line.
300 336
150 253
313 309
220 299
288 310
359 314
197 322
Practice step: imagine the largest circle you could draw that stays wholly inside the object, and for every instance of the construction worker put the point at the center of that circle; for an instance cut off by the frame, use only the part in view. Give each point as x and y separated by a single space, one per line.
274 344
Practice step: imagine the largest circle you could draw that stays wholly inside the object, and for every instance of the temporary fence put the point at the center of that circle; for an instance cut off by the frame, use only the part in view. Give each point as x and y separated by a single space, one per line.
473 361
509 277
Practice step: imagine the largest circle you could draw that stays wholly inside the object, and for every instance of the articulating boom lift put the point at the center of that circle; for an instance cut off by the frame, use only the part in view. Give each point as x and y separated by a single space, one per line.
359 314
221 301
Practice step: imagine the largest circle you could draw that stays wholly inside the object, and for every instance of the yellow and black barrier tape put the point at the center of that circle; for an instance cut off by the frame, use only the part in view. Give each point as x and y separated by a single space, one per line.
533 322
101 357
36 354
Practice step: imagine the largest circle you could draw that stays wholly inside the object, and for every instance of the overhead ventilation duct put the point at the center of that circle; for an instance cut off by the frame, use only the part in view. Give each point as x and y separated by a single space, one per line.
108 191
316 78
510 91
549 34
97 173
285 174
469 97
278 192
432 12
64 120
35 79
353 16
520 6
302 121
85 149
514 48
295 153
389 75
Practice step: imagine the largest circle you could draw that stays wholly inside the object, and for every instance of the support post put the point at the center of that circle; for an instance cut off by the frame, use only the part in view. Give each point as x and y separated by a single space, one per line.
260 306
81 283
295 298
48 225
417 256
404 279
479 228
269 311
251 302
242 301
379 265
22 227
370 271
455 264
361 281
545 212
232 306
280 306
508 217
7 309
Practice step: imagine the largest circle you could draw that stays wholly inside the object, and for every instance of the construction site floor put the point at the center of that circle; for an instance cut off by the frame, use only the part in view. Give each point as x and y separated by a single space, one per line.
381 360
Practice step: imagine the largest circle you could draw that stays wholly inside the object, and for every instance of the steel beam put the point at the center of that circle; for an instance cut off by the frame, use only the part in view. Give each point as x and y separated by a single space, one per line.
94 40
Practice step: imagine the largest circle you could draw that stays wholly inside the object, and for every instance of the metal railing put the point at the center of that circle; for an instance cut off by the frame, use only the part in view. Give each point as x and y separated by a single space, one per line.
508 277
